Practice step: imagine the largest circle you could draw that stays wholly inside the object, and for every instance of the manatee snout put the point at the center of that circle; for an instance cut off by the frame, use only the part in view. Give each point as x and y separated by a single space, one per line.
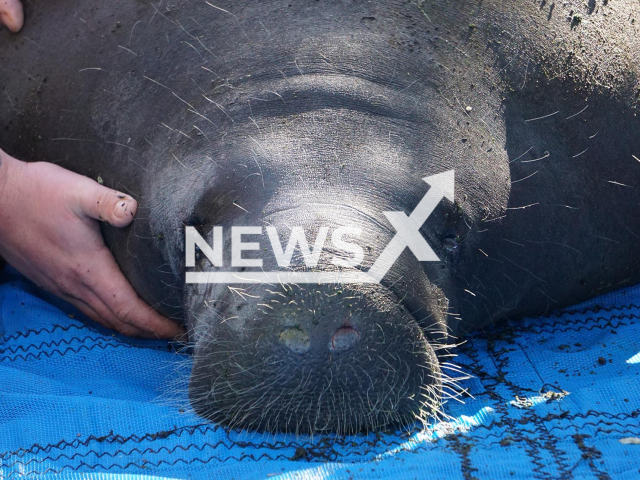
312 358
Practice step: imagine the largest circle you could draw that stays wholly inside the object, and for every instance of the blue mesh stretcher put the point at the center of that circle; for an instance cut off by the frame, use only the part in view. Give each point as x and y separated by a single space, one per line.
553 397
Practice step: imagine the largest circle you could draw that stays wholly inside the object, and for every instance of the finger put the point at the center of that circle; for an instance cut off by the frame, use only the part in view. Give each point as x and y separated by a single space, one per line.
84 300
4 155
117 306
12 14
123 302
105 204
131 309
94 308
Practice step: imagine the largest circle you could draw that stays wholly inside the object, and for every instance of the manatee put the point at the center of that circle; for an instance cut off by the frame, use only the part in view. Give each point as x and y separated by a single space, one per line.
488 152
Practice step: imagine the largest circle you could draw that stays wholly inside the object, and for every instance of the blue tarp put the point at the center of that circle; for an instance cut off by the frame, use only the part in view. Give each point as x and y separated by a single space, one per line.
552 398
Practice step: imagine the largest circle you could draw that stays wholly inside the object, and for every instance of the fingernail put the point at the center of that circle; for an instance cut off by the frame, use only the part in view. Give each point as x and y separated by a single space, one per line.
121 208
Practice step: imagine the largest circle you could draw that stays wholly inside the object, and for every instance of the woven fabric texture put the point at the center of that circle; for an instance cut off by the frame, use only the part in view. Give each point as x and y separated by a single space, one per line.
553 397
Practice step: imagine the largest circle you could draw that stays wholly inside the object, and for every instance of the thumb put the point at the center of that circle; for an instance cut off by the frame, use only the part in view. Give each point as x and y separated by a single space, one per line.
107 205
11 14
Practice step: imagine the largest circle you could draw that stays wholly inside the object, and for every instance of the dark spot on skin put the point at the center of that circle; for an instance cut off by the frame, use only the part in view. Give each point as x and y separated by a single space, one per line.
576 20
121 196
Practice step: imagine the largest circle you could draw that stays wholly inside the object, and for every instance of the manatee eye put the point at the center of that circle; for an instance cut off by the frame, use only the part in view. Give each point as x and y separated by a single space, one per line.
194 220
452 246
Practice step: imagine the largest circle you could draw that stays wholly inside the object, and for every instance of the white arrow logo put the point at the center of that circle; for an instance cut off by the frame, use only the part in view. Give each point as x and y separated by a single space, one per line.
407 235
408 228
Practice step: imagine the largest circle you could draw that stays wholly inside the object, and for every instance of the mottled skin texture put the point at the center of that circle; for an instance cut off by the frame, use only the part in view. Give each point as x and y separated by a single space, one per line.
315 112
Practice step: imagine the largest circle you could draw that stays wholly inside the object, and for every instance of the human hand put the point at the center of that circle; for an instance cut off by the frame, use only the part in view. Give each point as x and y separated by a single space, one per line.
50 233
11 14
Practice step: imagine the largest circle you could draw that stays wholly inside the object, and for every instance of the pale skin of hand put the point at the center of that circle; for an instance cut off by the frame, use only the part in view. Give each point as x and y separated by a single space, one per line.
11 14
49 231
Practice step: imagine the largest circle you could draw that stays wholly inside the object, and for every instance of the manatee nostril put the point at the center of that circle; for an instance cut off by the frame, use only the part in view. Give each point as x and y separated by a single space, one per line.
344 338
295 339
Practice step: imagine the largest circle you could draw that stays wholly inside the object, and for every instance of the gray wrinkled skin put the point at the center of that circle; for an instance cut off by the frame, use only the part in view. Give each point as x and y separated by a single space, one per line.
316 113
